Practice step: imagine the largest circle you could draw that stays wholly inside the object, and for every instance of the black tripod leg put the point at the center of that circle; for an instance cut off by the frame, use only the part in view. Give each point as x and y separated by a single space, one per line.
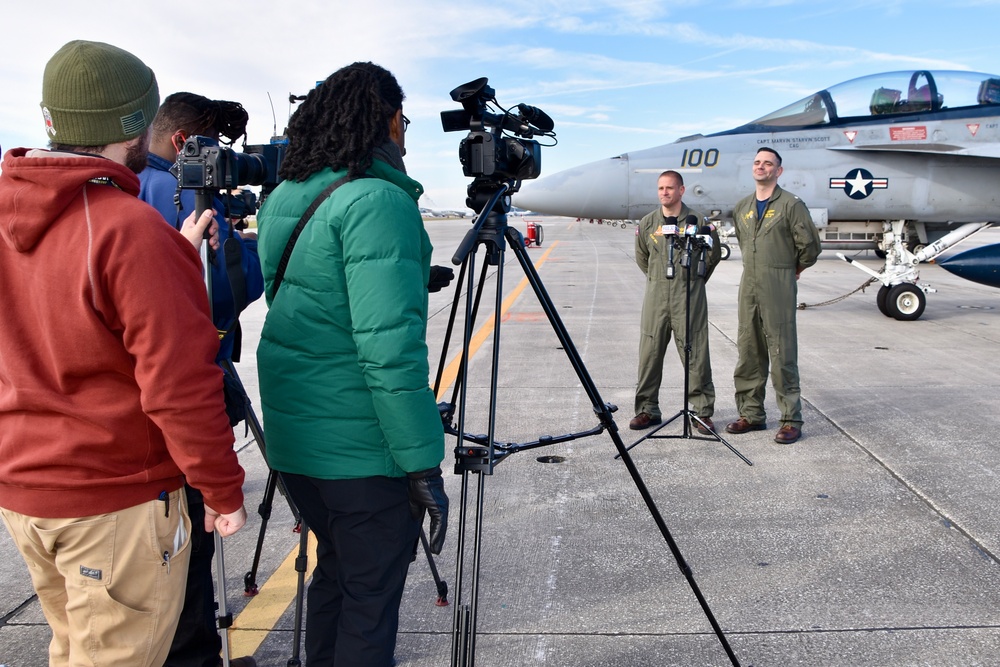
250 588
258 434
442 585
604 412
301 565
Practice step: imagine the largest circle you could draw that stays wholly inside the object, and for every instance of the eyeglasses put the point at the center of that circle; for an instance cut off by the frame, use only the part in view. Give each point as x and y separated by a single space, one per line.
406 123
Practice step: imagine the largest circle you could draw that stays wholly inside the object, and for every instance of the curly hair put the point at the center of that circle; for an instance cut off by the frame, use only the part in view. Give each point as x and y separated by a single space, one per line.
198 115
341 122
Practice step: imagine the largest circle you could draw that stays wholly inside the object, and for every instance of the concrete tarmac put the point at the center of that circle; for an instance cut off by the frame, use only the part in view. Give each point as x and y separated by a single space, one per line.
873 541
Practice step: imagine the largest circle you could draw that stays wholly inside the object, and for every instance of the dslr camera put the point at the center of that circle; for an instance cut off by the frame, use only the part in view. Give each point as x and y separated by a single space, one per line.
204 164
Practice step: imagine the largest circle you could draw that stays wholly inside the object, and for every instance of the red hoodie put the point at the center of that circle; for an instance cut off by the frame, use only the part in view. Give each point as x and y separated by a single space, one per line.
109 390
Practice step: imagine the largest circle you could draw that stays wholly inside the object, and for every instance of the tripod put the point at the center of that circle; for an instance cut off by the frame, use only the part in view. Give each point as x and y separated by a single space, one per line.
203 202
691 244
491 232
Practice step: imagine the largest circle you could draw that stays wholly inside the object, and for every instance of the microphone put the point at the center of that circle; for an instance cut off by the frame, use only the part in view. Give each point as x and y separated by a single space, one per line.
670 229
705 235
690 226
690 231
705 238
536 117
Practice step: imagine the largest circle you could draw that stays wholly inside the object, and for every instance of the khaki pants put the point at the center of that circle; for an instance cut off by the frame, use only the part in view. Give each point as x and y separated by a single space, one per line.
111 586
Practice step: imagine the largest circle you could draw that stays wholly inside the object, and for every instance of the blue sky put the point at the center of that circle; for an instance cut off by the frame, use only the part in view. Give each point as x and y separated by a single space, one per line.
614 75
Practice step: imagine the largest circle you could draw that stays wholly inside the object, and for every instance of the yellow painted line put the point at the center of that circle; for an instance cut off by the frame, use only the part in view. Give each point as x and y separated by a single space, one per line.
251 627
259 617
450 373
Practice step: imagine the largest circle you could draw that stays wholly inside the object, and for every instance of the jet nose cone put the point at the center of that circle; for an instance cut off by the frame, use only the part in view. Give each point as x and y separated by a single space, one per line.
595 190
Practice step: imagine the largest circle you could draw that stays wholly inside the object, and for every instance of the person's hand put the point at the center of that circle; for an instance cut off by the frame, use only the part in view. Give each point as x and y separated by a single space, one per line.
440 277
194 228
226 524
427 495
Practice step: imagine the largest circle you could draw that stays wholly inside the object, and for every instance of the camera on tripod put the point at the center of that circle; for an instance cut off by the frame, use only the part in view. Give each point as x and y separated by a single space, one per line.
499 146
204 164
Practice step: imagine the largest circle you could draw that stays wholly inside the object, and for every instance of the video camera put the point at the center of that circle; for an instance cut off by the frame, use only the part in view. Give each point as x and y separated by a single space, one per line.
499 146
204 164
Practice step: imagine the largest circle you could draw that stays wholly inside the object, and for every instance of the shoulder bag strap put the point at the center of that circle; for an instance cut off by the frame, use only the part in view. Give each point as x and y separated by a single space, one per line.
285 256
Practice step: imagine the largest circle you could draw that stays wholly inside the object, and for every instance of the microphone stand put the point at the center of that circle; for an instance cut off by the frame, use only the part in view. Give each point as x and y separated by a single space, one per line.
689 242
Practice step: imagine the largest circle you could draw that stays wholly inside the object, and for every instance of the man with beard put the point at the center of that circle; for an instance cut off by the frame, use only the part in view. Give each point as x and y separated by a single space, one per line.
109 394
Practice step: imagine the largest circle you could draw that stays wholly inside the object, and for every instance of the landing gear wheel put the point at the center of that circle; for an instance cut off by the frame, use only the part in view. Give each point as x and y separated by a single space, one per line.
725 251
905 302
881 254
881 298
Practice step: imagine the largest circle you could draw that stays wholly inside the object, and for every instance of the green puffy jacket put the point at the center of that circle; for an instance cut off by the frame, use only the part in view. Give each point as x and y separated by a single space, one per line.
343 357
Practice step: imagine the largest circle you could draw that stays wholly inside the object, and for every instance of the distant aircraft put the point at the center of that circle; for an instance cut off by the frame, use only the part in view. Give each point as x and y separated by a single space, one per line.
903 163
429 212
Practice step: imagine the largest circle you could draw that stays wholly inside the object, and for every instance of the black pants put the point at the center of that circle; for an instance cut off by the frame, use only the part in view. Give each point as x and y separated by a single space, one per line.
365 539
197 642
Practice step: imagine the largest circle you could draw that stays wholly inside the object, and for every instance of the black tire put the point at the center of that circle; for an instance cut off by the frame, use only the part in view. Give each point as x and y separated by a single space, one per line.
906 302
881 298
726 251
539 235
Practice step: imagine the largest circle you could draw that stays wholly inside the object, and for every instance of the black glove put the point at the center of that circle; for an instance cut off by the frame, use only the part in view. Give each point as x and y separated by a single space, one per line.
427 494
440 277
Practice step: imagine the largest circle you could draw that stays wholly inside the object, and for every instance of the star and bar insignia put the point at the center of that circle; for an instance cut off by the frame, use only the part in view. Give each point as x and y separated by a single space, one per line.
859 184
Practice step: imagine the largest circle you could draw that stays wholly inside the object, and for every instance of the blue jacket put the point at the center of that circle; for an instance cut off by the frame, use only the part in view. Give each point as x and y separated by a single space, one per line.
157 187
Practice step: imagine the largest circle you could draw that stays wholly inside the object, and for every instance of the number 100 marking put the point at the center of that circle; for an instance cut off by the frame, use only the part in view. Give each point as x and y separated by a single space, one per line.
696 157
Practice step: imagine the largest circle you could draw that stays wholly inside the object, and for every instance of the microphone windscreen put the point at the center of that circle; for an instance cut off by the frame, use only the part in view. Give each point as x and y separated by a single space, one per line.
691 220
672 220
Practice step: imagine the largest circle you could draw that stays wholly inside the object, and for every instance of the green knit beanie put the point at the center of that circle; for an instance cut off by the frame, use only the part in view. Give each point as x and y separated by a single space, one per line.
95 94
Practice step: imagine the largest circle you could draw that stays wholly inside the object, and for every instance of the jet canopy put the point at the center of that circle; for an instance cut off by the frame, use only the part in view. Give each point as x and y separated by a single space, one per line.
880 95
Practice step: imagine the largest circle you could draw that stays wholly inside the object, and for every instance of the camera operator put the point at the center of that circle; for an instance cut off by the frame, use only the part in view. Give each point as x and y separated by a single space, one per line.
349 417
182 115
664 307
109 397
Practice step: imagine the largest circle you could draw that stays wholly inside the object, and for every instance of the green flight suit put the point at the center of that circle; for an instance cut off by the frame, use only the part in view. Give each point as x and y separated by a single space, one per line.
663 313
774 249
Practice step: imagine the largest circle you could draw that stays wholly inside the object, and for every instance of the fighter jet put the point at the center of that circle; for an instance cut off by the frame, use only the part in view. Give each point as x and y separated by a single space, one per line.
904 163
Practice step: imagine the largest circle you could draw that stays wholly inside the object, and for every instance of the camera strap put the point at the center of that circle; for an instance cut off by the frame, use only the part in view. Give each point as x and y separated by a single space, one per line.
279 274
